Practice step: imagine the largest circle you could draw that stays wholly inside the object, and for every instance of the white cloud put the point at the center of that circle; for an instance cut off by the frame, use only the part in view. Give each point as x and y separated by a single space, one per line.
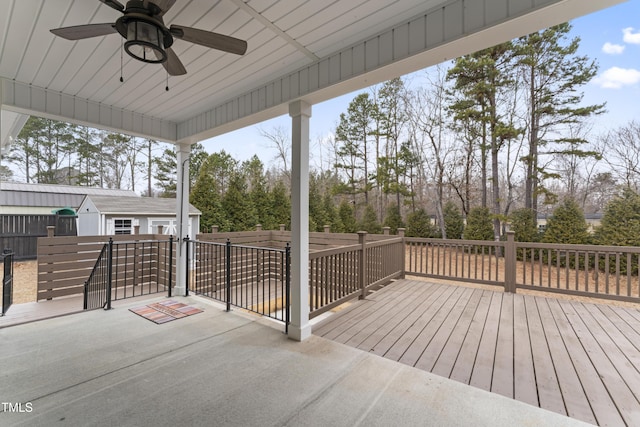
631 37
616 78
612 49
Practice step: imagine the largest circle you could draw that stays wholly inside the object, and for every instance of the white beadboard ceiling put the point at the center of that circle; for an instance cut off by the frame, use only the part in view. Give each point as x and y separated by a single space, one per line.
290 43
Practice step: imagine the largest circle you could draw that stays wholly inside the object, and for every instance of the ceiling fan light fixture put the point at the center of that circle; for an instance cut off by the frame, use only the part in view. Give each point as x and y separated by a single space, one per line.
145 42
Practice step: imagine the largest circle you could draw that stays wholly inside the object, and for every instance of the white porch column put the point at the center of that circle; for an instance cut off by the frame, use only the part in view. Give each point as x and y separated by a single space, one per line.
299 329
182 217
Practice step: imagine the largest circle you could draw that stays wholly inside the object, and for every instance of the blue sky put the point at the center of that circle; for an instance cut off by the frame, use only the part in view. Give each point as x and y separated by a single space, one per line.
611 37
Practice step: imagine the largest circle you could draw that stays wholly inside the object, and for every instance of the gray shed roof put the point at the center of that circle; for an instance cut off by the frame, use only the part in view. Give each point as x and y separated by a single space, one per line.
137 205
49 195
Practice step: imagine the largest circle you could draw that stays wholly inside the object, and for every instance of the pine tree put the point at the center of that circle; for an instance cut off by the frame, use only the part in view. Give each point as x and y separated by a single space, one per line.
554 73
479 226
453 221
352 137
480 81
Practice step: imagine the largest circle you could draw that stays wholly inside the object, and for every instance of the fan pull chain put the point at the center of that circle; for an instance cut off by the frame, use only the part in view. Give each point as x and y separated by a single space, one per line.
121 60
167 86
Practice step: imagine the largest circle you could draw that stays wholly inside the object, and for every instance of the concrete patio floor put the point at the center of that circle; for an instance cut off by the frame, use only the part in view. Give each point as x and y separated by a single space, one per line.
216 368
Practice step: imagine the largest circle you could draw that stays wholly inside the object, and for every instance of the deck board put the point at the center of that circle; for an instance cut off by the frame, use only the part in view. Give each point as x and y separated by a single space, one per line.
577 359
466 358
389 341
445 362
546 380
483 366
524 381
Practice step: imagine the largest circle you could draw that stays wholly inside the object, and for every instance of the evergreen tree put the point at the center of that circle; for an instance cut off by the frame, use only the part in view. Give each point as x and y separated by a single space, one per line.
524 225
258 194
281 205
393 219
352 154
419 224
237 206
554 74
205 196
479 225
453 221
331 213
481 79
392 118
166 169
347 218
567 225
620 225
369 222
317 214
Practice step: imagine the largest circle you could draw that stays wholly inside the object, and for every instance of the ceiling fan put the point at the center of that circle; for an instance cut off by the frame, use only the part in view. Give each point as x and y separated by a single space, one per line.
147 38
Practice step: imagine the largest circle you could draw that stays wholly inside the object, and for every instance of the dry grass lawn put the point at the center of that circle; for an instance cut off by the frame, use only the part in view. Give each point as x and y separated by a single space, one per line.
25 281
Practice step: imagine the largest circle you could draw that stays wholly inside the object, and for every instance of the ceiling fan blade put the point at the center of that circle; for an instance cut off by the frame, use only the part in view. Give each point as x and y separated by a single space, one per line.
173 65
209 39
79 32
114 4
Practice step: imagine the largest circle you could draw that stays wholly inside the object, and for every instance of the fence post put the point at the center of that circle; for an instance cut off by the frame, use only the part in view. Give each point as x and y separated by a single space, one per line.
287 287
160 229
282 227
510 263
186 291
171 266
258 227
51 230
403 253
214 229
327 228
136 230
109 274
362 240
228 274
386 230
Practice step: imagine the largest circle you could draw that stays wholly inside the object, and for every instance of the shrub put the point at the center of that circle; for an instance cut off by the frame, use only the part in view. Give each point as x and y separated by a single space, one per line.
479 225
393 219
453 221
419 224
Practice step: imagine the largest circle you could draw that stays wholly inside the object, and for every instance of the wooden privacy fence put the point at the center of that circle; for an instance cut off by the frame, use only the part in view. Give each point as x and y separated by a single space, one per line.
20 233
609 272
140 262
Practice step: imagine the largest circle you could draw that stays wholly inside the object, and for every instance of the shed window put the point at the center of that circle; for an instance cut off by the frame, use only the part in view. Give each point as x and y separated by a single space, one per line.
122 226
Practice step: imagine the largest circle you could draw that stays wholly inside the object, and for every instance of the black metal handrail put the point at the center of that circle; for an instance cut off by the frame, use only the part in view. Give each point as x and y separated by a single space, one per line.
253 278
97 288
130 269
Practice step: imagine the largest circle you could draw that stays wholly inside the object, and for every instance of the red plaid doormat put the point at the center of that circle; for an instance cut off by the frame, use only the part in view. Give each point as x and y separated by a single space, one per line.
165 311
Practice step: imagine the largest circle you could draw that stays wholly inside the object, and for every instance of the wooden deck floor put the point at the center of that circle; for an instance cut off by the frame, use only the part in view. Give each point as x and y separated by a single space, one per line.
578 359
